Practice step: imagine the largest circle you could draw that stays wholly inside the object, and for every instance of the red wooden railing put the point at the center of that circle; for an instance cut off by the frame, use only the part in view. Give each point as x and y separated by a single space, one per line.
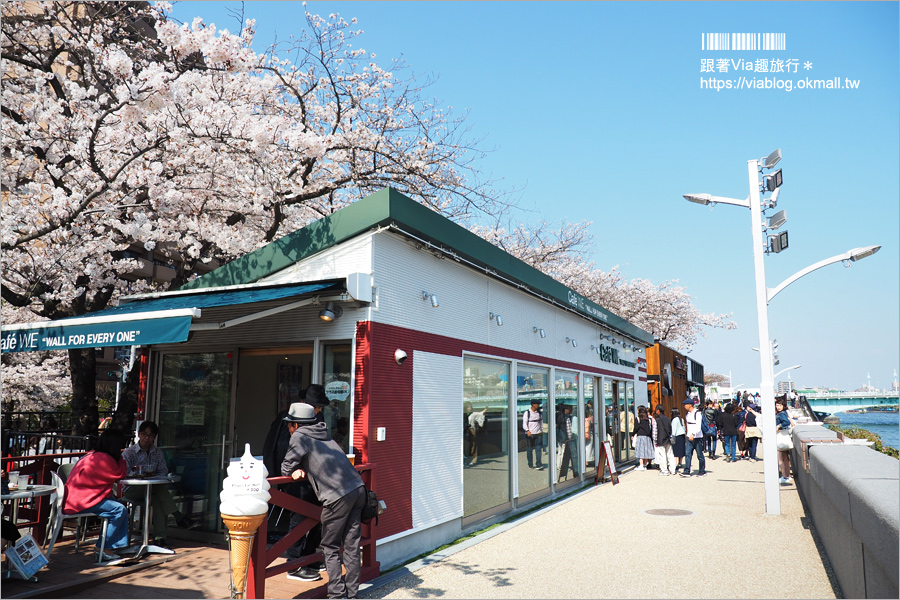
262 557
39 467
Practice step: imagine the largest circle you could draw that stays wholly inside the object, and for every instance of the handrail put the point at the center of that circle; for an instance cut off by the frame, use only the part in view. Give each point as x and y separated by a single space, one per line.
261 556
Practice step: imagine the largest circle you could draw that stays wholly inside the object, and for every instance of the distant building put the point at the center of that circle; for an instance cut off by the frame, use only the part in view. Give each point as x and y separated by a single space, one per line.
785 386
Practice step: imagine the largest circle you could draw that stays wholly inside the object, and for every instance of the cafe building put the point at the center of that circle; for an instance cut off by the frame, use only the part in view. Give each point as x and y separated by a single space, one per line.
414 326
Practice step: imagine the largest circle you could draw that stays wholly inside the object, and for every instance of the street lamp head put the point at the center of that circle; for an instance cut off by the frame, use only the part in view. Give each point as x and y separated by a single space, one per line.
861 253
699 198
772 159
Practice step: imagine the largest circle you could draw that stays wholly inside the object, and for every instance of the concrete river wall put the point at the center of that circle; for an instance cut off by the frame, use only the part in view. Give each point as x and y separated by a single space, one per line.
853 496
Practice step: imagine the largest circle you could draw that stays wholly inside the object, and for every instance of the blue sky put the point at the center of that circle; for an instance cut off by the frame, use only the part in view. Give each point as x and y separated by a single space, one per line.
595 111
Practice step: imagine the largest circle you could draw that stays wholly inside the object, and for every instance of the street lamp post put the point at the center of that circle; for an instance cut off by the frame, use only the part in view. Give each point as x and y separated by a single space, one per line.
786 370
763 295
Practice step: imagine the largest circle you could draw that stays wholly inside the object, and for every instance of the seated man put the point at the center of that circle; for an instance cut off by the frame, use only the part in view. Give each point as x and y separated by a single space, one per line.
145 454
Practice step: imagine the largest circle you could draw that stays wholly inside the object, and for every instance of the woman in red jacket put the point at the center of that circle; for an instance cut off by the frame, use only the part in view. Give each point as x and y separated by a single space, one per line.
89 488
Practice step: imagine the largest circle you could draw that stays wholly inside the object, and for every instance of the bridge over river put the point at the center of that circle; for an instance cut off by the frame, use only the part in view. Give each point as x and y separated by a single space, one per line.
834 401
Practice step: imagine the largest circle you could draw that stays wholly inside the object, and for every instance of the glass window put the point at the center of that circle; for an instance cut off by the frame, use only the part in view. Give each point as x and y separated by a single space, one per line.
336 369
194 415
533 392
568 461
486 480
591 439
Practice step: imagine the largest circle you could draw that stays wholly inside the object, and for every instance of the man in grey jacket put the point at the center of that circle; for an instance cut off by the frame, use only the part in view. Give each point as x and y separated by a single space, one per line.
312 454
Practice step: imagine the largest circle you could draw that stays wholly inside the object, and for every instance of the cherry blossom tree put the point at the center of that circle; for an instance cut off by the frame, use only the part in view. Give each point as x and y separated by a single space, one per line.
123 127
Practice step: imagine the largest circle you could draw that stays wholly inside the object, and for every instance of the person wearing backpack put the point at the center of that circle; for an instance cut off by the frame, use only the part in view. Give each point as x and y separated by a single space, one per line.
728 427
313 455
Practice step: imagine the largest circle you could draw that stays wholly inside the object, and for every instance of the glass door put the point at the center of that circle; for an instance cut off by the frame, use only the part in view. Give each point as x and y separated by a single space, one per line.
568 431
611 418
591 427
194 425
626 422
486 456
533 392
336 370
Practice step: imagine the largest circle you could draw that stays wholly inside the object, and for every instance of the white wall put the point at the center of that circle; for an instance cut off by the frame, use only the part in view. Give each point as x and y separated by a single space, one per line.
437 490
467 297
353 256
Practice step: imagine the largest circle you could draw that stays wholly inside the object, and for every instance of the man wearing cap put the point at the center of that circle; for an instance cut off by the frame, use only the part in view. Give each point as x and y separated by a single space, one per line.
314 456
274 450
693 441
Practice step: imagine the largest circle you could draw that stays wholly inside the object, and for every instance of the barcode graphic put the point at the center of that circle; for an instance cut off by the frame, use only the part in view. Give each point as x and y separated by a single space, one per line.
743 41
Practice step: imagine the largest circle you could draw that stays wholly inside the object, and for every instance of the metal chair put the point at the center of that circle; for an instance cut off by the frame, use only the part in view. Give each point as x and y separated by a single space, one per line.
57 517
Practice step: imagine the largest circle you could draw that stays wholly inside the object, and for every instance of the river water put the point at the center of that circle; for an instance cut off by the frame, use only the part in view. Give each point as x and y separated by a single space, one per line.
885 424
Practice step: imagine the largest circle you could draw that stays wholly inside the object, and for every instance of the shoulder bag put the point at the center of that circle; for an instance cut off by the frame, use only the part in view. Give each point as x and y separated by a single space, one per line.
783 440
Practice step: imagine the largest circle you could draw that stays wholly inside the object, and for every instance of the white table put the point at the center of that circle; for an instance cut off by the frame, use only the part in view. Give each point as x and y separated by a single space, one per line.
146 547
24 493
16 495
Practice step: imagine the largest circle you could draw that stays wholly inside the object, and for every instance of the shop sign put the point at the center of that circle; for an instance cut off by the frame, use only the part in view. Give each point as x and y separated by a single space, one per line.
611 355
582 304
60 336
337 390
193 415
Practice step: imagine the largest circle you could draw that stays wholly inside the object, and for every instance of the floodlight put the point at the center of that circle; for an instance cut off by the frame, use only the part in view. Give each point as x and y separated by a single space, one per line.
772 202
860 253
330 312
778 242
772 159
432 297
777 220
773 181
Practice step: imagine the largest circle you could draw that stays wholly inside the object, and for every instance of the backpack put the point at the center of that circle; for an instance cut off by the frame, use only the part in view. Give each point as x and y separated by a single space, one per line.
371 508
707 426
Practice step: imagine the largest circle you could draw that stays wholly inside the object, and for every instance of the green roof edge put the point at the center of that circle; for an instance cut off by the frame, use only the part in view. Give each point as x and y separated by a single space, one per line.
390 207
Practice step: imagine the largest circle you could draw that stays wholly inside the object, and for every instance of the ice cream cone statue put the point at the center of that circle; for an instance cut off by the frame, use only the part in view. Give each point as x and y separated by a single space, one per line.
244 503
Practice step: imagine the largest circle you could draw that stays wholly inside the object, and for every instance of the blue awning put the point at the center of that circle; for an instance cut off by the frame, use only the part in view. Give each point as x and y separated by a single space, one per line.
164 319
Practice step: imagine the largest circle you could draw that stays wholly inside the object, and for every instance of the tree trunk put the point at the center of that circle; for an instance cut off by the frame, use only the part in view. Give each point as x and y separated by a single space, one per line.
128 399
83 371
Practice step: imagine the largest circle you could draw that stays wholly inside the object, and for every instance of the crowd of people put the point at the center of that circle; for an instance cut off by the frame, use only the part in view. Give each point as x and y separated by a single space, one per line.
672 441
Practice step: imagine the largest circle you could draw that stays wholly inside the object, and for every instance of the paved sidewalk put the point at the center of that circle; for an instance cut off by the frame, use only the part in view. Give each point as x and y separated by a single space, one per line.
597 543
601 543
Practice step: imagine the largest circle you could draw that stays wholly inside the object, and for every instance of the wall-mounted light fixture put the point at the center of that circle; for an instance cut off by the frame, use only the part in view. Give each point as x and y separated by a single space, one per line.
572 341
498 318
540 331
330 312
432 297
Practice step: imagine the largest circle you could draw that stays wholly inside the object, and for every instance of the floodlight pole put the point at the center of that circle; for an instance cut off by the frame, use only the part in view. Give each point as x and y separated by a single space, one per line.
767 384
